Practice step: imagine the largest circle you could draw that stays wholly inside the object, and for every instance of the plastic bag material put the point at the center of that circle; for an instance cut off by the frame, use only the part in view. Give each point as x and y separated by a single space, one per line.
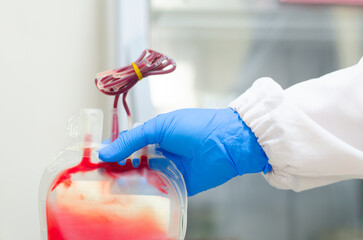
81 197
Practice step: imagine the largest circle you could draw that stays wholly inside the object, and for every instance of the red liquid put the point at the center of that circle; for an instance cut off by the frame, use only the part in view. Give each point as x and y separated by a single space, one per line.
71 218
110 169
63 225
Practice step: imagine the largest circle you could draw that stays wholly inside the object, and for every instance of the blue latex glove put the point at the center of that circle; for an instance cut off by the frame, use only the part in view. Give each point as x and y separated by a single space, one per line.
208 146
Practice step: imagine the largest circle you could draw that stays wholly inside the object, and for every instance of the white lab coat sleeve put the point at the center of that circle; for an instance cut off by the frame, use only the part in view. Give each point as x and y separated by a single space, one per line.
312 133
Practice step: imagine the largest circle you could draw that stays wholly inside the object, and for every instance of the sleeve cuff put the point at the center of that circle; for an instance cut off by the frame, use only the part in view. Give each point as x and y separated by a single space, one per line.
302 154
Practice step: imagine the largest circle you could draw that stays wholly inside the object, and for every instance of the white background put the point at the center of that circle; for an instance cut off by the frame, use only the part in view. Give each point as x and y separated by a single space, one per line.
49 54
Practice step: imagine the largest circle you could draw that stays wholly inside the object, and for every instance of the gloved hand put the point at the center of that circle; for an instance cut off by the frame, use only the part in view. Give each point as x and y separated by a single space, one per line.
208 146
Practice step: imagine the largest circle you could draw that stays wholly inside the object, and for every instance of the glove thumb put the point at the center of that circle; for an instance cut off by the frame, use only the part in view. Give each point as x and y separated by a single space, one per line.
131 141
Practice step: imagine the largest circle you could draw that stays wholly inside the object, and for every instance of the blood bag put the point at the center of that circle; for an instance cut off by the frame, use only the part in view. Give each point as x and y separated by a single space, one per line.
82 197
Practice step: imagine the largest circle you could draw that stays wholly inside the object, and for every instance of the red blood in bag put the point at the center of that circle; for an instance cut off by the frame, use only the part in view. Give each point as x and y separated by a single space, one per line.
110 169
64 225
71 223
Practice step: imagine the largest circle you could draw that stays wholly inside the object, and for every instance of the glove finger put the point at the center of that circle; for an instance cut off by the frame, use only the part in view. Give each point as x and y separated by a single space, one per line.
122 162
127 143
131 141
108 141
